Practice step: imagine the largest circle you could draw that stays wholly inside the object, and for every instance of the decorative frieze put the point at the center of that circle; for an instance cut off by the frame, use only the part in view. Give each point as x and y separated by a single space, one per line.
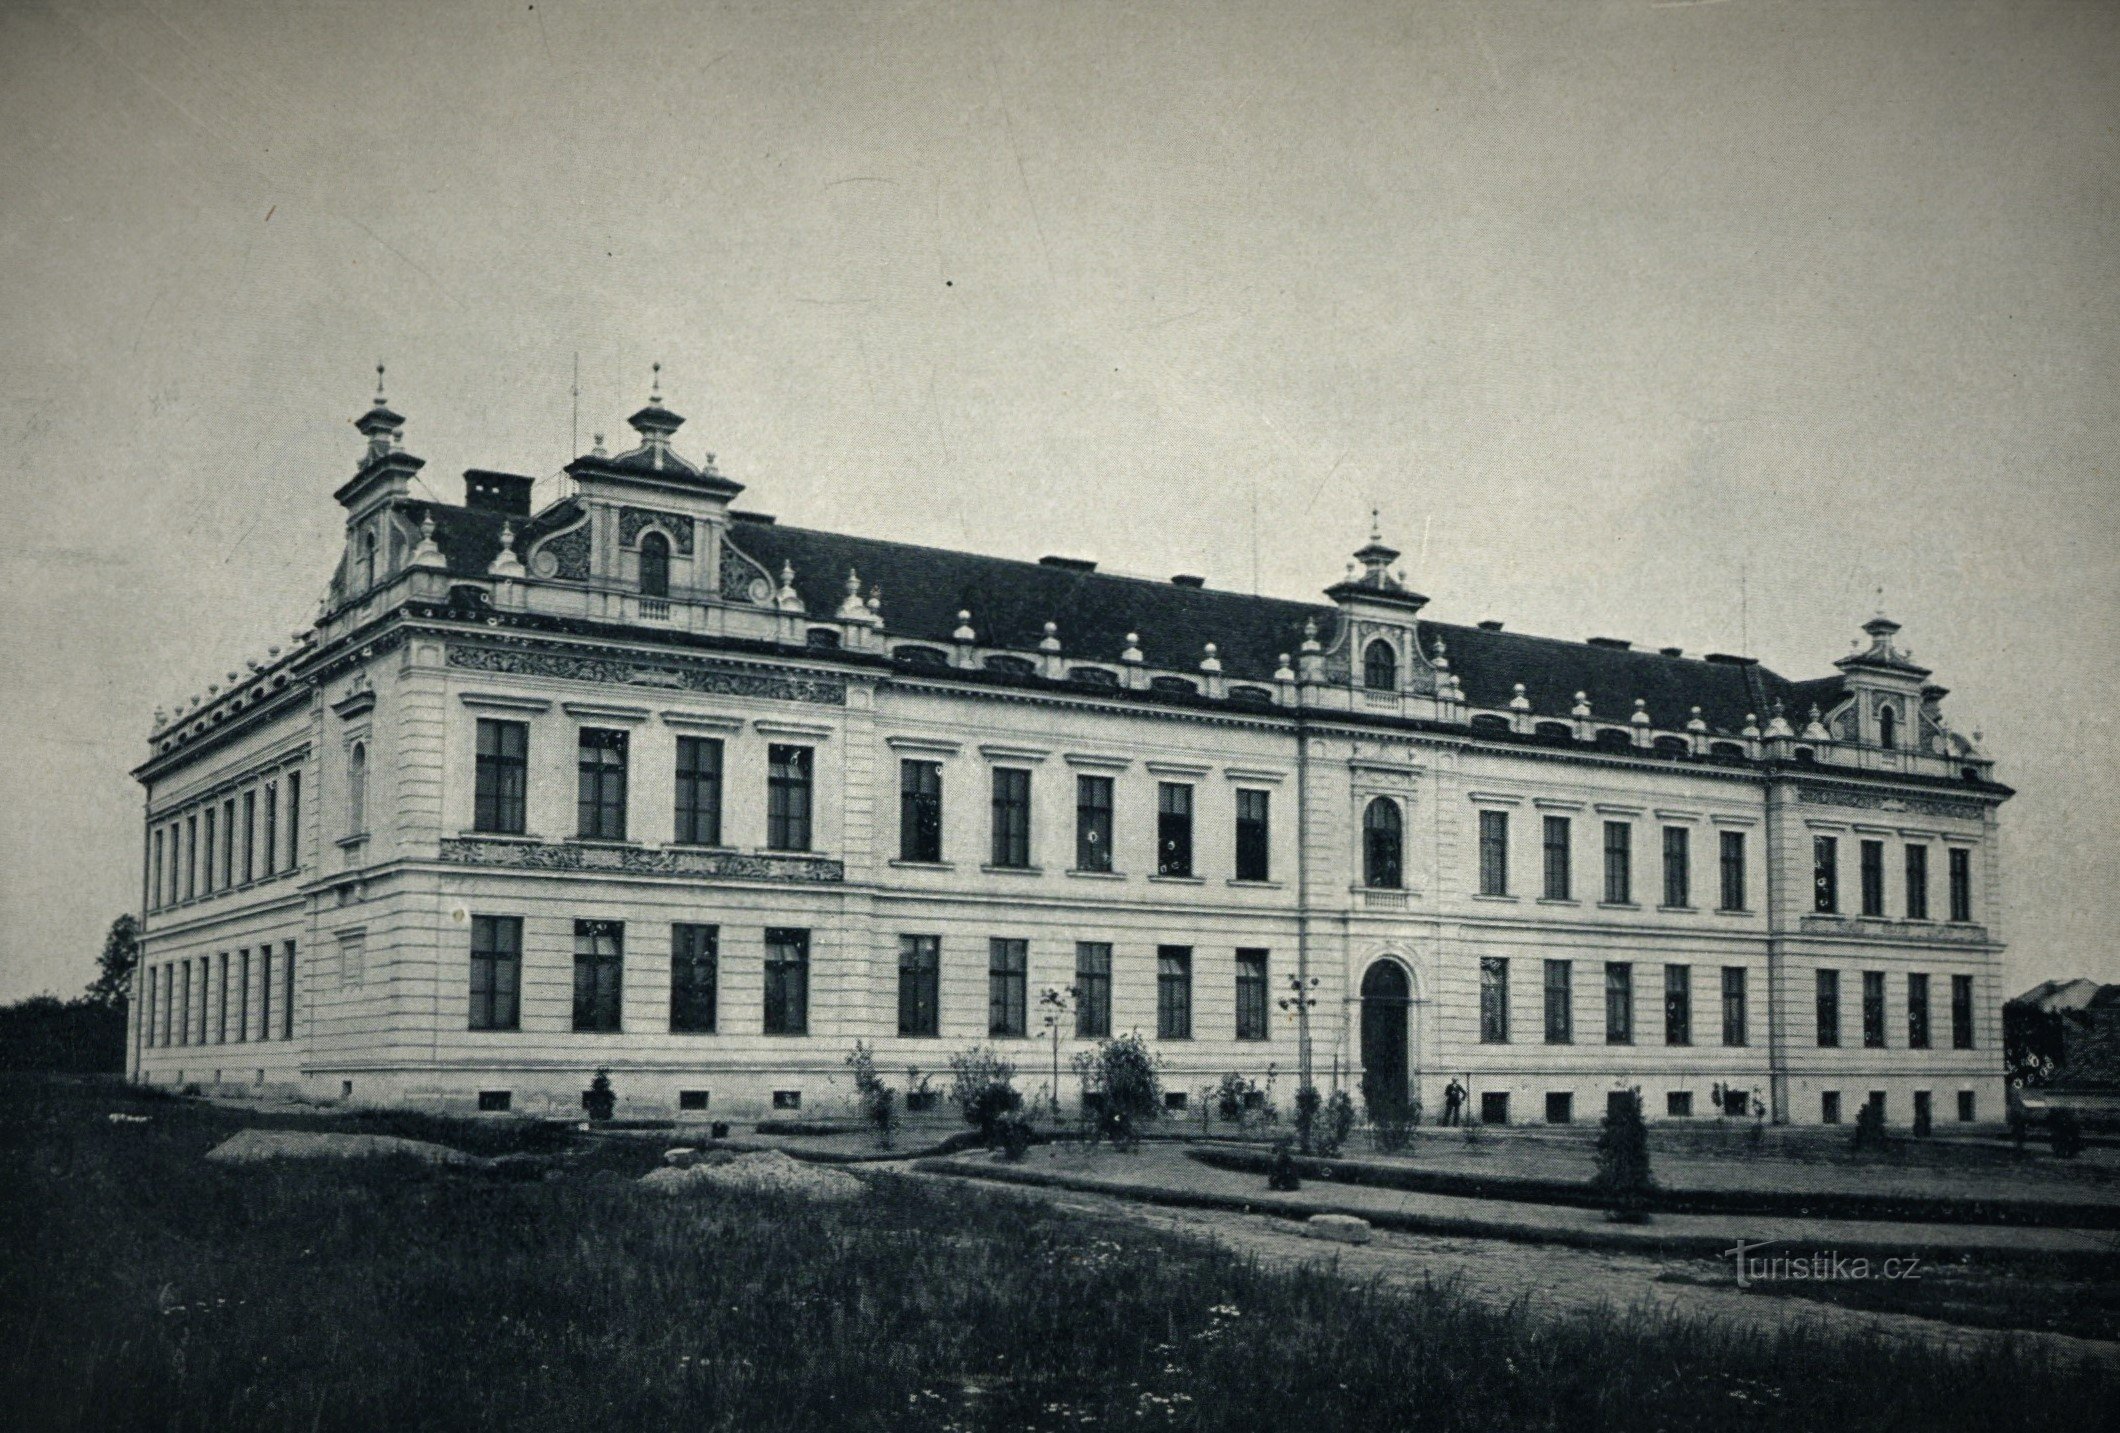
622 671
1873 801
742 578
565 557
639 861
678 527
1898 932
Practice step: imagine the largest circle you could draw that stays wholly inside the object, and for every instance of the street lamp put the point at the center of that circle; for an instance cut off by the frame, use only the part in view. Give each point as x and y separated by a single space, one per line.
1302 995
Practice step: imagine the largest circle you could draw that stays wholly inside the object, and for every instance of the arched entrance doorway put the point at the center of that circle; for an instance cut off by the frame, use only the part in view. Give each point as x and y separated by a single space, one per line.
1387 999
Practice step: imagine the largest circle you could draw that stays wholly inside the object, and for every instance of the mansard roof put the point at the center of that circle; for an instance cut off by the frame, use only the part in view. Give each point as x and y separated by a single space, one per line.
1010 601
470 538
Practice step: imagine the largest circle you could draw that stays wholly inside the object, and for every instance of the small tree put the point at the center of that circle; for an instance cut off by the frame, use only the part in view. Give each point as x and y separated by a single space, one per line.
1337 1124
2065 1132
1308 1102
1392 1115
879 1102
982 1087
1623 1158
1120 1080
1869 1126
112 986
600 1100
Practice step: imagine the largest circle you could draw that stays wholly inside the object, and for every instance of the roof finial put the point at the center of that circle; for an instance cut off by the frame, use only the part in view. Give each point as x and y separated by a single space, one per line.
1376 524
379 384
655 388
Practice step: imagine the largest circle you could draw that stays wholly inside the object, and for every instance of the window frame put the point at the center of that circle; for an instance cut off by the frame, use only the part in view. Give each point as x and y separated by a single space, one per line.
1559 987
496 946
655 573
1008 966
786 1004
1870 863
1009 847
700 775
500 778
919 986
1253 982
1826 982
920 811
791 797
1962 1008
695 978
1916 862
1619 1001
600 782
1174 967
1678 1005
1093 989
1494 853
1383 845
1095 796
1557 841
599 977
1380 666
1960 864
1619 863
1825 875
1678 868
1174 829
1494 1000
1920 1025
1874 1020
1736 1013
1731 857
1254 834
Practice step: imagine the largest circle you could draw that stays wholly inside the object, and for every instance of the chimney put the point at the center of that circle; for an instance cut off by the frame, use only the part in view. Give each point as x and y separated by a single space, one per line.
505 493
1187 579
1490 625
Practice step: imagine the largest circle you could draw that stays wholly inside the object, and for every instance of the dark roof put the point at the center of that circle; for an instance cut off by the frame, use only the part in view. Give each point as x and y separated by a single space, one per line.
470 538
924 588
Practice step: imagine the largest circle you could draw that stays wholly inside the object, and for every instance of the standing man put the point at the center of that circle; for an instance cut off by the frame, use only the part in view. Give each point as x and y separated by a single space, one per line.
1453 1101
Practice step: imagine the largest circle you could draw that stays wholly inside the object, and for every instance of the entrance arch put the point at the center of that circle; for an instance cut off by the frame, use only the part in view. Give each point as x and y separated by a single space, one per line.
1387 1004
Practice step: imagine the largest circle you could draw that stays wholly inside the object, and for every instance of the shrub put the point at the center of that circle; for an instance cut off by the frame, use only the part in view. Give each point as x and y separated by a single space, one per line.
1869 1126
878 1101
1121 1085
1307 1103
1012 1134
1232 1098
982 1087
599 1100
2065 1132
1282 1176
1337 1125
1391 1115
1623 1159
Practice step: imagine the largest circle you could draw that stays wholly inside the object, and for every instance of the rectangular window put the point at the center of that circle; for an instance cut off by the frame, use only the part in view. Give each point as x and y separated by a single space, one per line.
294 820
1619 1002
220 1032
1012 818
1917 883
1873 1009
1560 880
1254 862
920 811
1251 995
206 871
228 843
1733 870
1961 1012
919 985
270 840
1174 992
1494 1000
1093 822
1494 1107
184 1003
1678 1005
601 790
154 883
788 792
1093 989
1007 991
1733 993
243 995
1825 874
1560 1107
1619 863
1917 1011
1494 853
1872 856
287 975
250 837
1828 1009
496 972
1560 1002
502 777
695 978
787 982
1965 1106
1678 866
1174 813
1829 1107
699 791
265 992
599 963
152 1005
1961 884
1923 1108
1678 1104
191 857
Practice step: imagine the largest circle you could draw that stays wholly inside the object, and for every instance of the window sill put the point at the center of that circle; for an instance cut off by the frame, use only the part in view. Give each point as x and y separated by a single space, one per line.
710 846
1490 896
1095 875
527 838
1254 885
781 850
1734 911
615 841
1558 901
1679 910
1179 880
346 843
904 865
993 870
1618 906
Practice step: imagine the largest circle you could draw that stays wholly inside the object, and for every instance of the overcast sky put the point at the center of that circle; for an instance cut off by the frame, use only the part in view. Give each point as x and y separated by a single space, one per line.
1614 309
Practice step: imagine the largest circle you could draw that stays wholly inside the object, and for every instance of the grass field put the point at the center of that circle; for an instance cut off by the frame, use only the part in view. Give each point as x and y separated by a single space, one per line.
143 1288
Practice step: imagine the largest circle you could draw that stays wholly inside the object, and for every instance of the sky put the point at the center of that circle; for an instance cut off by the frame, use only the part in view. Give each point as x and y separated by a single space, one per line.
1691 323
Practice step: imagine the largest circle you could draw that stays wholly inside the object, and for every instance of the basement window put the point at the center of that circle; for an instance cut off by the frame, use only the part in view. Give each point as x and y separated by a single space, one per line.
495 1101
692 1100
787 1099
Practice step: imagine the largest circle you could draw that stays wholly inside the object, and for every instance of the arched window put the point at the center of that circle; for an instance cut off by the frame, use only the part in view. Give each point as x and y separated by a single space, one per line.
654 565
1381 866
367 559
1380 667
1887 727
357 789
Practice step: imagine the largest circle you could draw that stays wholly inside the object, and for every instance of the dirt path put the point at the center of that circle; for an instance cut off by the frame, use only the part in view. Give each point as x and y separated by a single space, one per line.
1561 1279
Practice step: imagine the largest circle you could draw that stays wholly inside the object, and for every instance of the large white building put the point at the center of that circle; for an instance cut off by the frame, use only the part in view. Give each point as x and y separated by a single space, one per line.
637 781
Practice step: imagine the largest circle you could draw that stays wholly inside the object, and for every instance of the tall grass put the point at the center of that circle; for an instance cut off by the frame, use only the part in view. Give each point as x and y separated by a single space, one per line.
140 1287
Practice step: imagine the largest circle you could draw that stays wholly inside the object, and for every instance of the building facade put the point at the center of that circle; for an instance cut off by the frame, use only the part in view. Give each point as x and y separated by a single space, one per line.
638 781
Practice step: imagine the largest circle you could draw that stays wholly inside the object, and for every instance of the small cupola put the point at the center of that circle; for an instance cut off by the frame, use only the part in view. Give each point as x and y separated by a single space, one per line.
382 428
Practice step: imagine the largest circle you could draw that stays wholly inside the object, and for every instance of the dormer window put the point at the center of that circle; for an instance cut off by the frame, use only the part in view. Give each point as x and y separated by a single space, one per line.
1887 727
1380 667
1381 846
654 565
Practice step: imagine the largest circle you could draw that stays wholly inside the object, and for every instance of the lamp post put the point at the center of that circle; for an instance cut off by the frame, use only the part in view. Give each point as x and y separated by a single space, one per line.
1057 1005
1302 994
